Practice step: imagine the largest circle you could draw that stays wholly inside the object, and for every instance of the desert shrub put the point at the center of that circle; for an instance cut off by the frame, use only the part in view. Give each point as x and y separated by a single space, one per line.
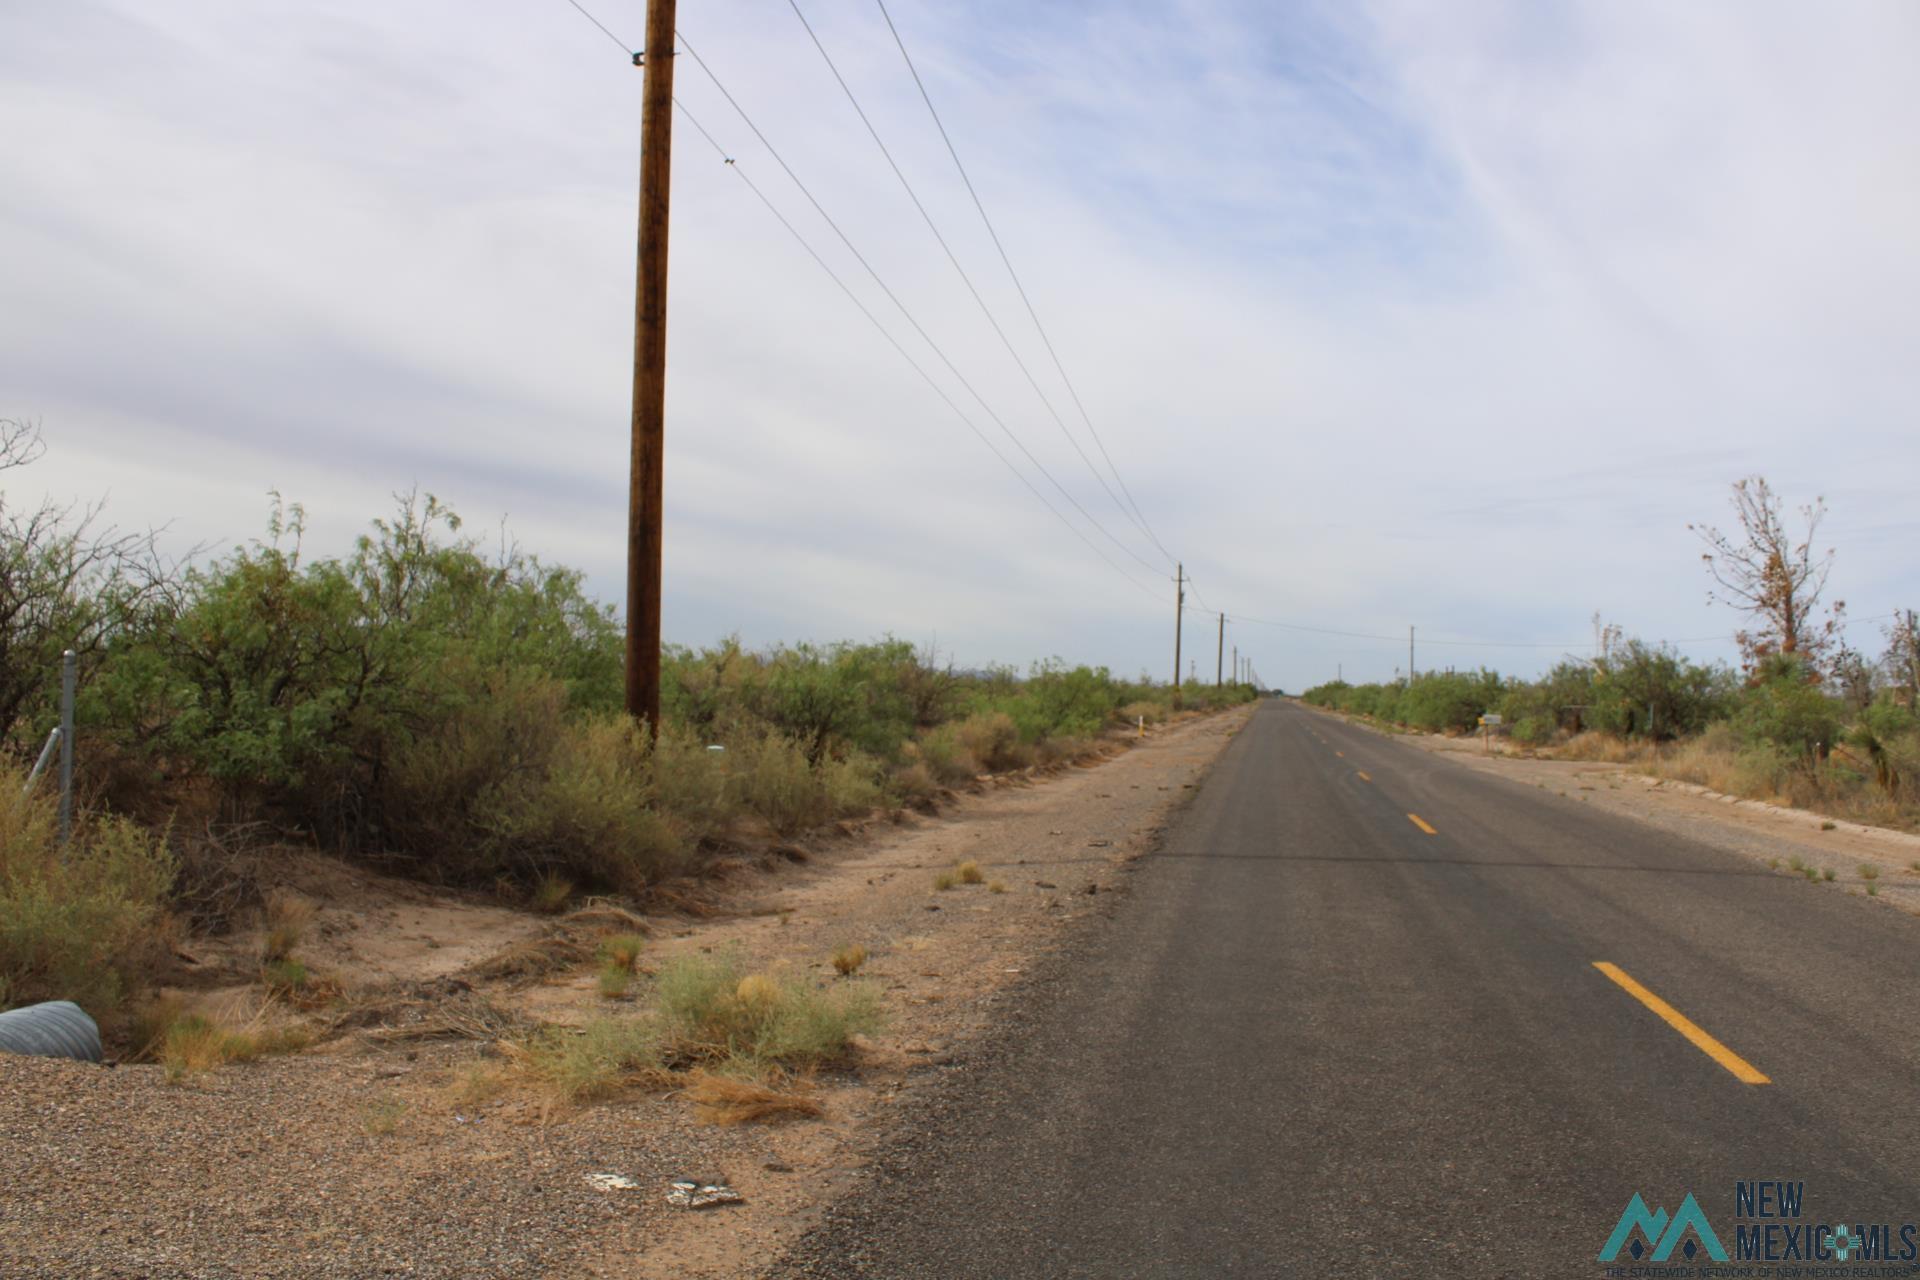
993 739
711 1008
1450 701
777 783
1648 691
292 682
77 922
689 783
775 780
1787 709
512 786
589 813
945 756
914 783
840 696
1202 695
574 1066
1058 700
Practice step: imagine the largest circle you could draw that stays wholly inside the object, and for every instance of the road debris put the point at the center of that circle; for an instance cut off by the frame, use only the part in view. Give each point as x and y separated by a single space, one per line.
690 1193
613 1182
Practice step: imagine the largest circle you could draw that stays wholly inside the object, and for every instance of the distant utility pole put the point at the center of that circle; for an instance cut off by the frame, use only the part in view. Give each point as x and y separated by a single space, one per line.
645 482
1236 664
1219 651
1339 673
1410 667
1179 616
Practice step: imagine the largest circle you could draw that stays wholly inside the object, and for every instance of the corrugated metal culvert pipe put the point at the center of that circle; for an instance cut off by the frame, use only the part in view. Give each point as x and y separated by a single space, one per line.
56 1029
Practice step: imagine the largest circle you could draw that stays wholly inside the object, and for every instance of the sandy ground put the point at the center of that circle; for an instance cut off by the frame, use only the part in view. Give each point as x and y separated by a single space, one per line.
1766 833
361 1157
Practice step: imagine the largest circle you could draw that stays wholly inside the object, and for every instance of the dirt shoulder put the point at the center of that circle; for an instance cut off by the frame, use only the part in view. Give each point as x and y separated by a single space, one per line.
1773 835
365 1157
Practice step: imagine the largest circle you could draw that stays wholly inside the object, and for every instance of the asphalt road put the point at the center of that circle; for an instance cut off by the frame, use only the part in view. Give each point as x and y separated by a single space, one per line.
1319 1039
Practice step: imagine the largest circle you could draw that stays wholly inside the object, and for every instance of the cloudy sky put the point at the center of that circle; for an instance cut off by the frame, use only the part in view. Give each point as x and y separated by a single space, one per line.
1451 315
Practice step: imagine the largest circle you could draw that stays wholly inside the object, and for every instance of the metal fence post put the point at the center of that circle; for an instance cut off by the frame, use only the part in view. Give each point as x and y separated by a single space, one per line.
68 662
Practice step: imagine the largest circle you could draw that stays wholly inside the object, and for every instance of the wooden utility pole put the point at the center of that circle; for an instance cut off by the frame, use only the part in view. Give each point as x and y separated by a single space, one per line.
645 483
1409 653
1219 651
1236 664
1179 616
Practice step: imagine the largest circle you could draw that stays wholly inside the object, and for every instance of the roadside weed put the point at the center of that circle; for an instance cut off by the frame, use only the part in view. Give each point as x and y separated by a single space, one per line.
614 981
621 950
550 894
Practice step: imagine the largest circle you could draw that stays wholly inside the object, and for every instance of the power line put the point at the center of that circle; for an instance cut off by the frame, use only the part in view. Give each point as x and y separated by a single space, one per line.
902 307
905 354
874 320
965 279
603 27
1474 644
1018 286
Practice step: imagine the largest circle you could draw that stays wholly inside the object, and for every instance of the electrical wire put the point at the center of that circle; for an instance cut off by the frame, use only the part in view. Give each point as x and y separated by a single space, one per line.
965 279
1033 314
907 314
603 27
904 353
874 320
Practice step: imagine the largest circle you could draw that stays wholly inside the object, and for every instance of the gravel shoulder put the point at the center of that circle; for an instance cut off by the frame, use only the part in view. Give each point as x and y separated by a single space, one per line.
360 1157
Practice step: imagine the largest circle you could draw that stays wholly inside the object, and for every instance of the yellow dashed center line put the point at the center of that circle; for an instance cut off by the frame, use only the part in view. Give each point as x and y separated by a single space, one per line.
1421 823
1364 775
1705 1043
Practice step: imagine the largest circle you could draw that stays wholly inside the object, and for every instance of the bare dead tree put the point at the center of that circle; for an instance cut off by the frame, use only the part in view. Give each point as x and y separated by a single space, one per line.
66 582
1772 577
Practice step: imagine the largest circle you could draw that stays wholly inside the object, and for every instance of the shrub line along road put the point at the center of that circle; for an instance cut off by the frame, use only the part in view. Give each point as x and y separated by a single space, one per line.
1369 1013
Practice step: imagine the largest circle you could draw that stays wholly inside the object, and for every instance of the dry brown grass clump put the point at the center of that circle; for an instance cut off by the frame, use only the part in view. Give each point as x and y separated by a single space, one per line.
848 960
288 917
1603 748
622 950
444 1009
719 1099
945 881
195 1044
969 873
532 959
